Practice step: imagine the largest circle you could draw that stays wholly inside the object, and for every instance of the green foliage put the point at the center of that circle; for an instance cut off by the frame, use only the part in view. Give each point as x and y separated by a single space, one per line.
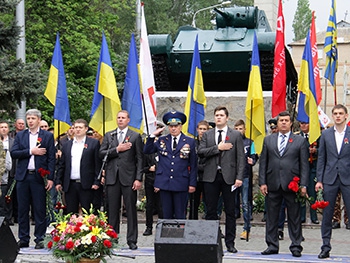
302 20
258 203
16 78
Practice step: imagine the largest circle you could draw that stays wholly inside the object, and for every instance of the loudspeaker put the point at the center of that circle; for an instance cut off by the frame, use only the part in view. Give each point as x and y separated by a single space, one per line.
188 241
8 244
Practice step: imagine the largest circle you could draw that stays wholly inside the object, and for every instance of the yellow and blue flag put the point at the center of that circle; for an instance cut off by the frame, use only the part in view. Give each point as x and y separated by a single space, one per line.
196 101
56 91
254 109
307 108
106 103
331 46
131 100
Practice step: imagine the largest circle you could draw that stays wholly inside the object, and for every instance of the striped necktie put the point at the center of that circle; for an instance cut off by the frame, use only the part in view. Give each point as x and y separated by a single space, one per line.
282 144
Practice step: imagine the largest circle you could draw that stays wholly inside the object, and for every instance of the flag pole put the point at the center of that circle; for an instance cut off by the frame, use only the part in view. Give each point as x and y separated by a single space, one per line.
325 96
145 113
335 91
103 116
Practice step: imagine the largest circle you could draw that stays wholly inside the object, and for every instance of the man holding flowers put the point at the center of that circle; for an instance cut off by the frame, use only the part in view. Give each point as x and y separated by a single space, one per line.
284 159
333 171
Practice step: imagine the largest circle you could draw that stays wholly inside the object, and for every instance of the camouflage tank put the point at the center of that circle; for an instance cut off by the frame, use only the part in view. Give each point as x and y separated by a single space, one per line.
225 53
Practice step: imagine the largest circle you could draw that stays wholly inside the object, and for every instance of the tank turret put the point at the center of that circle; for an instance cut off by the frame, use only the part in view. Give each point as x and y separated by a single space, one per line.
225 52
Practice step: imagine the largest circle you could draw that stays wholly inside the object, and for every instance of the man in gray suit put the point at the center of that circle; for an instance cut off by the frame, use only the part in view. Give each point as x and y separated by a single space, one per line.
223 171
123 174
283 157
333 168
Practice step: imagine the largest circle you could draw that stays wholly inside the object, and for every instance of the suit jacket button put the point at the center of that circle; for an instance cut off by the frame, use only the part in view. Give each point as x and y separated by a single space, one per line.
171 177
171 170
173 156
172 163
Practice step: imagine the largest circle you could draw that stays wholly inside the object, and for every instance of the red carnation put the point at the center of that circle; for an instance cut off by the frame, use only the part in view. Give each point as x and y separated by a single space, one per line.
293 185
314 206
49 245
290 140
227 138
296 179
76 229
56 238
107 243
93 239
69 245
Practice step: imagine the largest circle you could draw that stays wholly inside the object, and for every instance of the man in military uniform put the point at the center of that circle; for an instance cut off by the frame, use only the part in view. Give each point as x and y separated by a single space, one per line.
176 173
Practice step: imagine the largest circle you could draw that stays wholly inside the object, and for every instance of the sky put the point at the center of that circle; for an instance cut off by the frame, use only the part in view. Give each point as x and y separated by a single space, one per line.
322 10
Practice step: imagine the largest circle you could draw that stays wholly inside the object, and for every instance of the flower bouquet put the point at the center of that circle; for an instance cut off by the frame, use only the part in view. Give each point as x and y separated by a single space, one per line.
79 237
320 203
294 186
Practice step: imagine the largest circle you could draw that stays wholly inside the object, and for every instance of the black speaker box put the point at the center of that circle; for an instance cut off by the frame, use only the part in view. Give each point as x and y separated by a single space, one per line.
188 241
8 244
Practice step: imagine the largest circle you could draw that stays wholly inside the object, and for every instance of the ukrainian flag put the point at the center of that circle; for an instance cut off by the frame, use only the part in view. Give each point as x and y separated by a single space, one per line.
307 97
254 108
196 101
106 103
132 94
56 91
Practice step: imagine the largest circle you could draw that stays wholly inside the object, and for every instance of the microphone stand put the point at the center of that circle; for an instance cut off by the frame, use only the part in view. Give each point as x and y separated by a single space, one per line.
104 161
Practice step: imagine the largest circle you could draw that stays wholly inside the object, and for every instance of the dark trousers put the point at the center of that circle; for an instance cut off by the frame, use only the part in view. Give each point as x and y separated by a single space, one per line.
114 195
153 203
330 193
212 193
174 204
274 202
77 195
31 188
195 200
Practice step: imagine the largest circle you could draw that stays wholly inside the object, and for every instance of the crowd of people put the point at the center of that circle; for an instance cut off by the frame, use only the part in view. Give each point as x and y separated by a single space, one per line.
178 172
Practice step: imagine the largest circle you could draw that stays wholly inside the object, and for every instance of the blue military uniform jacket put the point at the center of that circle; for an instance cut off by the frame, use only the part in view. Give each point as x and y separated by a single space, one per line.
176 170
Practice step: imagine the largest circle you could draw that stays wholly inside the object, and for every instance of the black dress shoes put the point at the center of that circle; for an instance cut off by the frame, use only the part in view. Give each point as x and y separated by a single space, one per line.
315 222
347 226
148 231
269 251
280 235
39 245
296 253
21 244
231 248
335 225
132 245
323 254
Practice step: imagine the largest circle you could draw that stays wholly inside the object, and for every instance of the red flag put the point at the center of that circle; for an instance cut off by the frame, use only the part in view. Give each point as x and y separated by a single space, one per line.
279 73
314 52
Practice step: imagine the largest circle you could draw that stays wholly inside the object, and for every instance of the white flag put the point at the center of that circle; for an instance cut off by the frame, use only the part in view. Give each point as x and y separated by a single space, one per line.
147 79
324 119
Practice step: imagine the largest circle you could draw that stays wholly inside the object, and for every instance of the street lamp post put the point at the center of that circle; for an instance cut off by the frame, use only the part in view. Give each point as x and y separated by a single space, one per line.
206 8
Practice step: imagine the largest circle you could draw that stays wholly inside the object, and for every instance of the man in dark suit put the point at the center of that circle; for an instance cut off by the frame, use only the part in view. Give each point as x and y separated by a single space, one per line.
284 156
223 171
176 173
124 171
78 169
34 149
333 168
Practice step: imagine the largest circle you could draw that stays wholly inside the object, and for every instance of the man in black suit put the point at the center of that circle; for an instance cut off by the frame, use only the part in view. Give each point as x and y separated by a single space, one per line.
333 171
124 171
34 149
283 157
223 171
78 169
